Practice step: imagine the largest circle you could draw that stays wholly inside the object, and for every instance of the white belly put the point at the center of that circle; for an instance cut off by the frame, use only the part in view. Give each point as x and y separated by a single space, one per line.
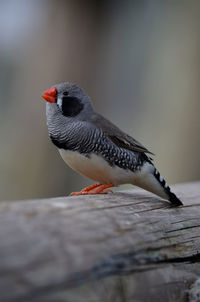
96 168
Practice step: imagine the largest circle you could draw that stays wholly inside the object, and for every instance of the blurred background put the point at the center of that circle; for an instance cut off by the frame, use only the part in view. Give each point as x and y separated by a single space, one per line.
138 60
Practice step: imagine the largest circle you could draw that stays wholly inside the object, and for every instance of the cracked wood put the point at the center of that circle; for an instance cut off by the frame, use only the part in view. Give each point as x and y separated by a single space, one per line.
126 246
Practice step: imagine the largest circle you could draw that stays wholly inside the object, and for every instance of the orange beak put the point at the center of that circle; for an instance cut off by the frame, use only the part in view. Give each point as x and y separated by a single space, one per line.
49 95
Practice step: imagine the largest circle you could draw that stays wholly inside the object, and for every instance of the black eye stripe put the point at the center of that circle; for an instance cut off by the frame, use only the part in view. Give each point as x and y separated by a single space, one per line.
71 106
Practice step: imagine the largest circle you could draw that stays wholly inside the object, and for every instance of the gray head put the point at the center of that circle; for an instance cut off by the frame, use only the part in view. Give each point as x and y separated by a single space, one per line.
69 99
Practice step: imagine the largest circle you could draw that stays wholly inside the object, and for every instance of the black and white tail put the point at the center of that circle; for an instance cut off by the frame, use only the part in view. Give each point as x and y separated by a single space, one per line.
171 196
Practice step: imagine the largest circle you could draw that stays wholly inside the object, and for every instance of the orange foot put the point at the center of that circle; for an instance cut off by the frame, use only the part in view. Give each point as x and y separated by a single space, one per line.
94 189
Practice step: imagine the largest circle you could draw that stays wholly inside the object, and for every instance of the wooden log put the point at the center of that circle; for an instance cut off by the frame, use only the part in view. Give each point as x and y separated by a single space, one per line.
126 246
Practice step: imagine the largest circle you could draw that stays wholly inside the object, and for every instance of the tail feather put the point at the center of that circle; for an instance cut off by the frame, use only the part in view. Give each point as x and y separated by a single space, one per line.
171 196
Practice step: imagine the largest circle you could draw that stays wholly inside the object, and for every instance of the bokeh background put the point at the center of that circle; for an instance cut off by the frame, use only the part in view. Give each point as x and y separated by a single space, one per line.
138 60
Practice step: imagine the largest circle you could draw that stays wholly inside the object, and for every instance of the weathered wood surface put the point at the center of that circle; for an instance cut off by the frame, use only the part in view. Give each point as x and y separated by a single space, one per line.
126 246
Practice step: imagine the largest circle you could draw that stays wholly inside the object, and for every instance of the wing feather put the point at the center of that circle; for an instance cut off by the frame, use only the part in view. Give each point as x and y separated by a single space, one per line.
117 136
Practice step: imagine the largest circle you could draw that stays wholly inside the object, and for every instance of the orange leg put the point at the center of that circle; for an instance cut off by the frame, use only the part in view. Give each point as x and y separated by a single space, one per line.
94 189
85 190
90 188
102 189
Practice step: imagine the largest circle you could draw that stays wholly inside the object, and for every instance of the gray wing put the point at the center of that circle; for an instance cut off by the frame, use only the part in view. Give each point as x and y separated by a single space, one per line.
118 137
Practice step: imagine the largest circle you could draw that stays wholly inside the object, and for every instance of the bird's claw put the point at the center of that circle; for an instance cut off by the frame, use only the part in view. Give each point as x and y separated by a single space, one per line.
94 189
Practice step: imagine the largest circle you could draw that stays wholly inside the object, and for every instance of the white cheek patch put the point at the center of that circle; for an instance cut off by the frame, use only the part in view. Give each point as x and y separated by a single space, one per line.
59 103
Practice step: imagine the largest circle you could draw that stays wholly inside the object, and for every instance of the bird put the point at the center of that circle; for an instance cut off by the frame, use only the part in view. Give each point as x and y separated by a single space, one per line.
97 149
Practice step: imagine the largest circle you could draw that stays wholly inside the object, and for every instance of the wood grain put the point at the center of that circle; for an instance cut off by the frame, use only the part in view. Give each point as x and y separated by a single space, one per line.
125 246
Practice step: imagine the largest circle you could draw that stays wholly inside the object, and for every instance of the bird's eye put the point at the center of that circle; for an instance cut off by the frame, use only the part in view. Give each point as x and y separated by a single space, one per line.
65 93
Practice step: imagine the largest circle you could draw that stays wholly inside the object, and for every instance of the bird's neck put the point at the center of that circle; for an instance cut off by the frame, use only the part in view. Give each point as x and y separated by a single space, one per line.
56 122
